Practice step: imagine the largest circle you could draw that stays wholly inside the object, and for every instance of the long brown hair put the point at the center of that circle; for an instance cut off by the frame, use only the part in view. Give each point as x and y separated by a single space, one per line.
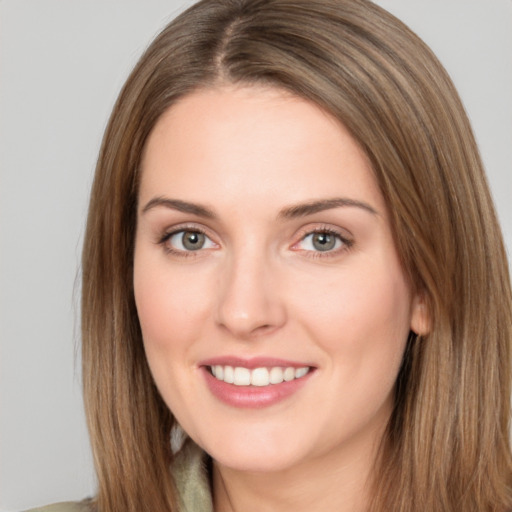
447 445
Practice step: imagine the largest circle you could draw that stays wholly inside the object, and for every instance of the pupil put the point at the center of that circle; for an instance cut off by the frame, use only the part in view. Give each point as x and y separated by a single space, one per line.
323 241
193 240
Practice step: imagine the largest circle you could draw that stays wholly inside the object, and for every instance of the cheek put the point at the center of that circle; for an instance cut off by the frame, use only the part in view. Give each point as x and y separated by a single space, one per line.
171 305
362 320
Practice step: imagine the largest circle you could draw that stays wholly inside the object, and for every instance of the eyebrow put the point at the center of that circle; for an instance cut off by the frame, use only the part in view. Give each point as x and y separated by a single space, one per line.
302 210
181 206
290 212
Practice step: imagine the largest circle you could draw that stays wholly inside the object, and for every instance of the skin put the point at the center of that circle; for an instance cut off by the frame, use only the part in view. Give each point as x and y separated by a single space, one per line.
260 287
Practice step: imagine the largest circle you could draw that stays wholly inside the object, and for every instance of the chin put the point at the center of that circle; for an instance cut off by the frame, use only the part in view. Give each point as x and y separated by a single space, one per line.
256 453
254 462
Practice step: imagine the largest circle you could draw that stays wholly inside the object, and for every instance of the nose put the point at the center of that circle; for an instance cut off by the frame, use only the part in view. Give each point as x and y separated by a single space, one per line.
249 299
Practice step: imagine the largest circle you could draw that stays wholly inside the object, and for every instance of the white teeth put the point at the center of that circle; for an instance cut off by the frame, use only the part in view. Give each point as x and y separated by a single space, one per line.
289 374
276 375
300 372
240 376
229 375
219 371
260 377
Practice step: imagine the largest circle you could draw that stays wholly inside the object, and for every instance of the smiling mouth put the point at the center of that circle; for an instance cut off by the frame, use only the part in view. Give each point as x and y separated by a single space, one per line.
240 376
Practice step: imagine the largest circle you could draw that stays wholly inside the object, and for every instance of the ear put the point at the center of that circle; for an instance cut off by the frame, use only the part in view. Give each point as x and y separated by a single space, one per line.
421 322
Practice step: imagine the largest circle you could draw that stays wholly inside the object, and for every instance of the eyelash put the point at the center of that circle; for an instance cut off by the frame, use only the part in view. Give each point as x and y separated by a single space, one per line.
346 243
181 229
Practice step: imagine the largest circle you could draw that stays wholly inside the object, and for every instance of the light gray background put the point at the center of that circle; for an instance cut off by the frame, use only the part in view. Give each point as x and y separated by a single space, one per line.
61 66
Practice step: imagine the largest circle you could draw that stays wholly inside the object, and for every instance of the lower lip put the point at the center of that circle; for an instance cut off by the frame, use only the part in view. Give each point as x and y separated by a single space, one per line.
253 397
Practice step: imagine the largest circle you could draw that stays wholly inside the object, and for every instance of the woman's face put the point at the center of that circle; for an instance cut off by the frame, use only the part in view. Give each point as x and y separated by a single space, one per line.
264 254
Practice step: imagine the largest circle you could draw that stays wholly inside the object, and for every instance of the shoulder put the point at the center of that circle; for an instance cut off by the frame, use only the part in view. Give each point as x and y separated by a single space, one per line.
190 472
65 506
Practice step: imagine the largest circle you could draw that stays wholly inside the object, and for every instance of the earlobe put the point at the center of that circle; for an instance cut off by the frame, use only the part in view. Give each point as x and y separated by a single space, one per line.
420 315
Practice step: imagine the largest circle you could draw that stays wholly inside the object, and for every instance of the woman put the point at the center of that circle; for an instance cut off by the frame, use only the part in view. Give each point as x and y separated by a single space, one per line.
292 253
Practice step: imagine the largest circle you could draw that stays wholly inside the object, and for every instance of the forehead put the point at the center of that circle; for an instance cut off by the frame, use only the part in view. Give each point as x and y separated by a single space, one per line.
242 143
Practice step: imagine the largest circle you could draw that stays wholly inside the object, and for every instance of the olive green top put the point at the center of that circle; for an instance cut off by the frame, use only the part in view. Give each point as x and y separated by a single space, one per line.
191 477
65 506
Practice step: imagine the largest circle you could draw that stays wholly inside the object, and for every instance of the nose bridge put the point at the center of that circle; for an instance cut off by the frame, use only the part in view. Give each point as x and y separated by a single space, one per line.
249 301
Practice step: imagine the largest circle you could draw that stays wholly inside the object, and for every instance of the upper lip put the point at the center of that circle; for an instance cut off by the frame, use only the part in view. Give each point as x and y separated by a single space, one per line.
253 362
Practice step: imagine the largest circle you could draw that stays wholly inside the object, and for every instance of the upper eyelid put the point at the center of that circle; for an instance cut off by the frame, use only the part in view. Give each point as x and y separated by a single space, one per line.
164 241
164 238
172 230
346 238
321 228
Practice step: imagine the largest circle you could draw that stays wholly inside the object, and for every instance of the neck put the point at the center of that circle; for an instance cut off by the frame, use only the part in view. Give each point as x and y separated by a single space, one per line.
336 481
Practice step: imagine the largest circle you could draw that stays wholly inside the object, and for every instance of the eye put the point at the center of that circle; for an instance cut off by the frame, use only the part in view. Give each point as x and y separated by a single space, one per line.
323 241
188 240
